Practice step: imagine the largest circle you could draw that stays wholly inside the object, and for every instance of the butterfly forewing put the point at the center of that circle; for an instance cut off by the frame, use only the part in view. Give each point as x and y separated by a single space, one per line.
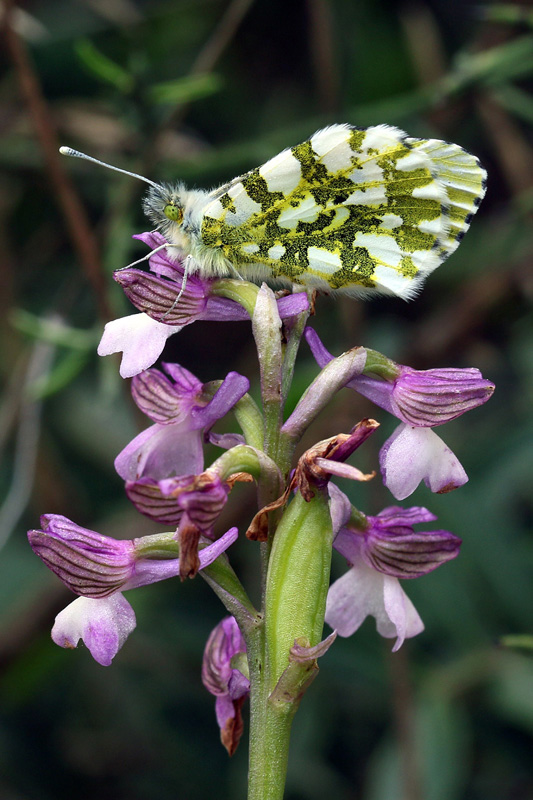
348 209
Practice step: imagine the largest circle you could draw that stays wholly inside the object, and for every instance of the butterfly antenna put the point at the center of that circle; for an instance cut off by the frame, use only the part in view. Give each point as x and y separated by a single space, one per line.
68 151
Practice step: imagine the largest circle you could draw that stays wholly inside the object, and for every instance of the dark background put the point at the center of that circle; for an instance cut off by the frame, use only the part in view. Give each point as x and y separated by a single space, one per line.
201 90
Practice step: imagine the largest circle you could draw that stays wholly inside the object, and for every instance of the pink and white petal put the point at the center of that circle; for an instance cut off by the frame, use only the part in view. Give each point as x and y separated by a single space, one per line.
340 508
351 599
363 592
400 617
160 452
139 338
103 625
412 455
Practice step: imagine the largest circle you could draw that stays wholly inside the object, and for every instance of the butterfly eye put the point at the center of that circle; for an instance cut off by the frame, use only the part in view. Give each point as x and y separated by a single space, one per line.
173 212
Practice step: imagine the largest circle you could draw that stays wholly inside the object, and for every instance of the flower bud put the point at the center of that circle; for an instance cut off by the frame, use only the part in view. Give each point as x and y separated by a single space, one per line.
229 685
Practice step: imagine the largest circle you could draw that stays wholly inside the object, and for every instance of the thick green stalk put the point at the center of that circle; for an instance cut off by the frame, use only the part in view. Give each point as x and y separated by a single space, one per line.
270 728
297 582
271 717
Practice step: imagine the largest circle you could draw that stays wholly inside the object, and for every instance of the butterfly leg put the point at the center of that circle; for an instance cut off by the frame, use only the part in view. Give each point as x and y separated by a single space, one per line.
235 273
188 265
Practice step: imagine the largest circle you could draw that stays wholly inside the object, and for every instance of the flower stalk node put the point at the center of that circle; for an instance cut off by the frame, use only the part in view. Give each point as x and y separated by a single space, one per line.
301 671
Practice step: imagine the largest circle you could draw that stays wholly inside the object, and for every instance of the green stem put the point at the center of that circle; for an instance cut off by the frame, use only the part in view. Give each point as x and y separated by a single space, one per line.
266 328
250 420
270 722
270 729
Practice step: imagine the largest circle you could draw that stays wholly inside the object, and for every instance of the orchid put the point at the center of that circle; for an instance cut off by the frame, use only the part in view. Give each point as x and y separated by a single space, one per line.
421 400
99 568
379 550
267 651
176 403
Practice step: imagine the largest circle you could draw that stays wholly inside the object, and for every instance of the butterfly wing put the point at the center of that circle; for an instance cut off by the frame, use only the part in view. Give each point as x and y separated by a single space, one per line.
349 209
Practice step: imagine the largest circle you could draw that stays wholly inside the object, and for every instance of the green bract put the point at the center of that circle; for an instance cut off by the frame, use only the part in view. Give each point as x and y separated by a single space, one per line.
300 558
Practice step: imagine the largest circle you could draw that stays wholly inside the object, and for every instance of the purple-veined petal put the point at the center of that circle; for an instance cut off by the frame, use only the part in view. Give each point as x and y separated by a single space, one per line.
434 396
401 517
224 642
148 499
389 544
201 497
421 398
226 682
404 553
88 563
103 625
233 387
412 455
166 401
158 297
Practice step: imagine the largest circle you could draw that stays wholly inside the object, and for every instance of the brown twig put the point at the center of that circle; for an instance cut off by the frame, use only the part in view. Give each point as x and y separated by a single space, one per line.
323 49
404 719
211 52
67 198
512 148
221 36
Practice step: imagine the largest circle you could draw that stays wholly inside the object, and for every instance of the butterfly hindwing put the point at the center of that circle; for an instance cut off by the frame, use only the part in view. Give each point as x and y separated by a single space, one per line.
349 209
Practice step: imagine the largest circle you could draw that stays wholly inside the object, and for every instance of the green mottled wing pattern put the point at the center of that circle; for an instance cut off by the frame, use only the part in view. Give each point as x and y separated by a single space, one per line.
350 209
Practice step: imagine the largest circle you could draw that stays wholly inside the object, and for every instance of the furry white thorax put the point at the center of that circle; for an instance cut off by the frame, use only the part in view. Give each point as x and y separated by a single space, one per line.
186 235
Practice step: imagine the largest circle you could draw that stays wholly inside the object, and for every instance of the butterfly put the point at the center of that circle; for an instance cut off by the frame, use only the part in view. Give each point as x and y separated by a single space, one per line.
354 210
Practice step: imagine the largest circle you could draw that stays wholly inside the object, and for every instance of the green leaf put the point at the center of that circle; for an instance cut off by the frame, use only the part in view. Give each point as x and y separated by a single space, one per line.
511 14
103 67
519 641
184 90
53 331
515 100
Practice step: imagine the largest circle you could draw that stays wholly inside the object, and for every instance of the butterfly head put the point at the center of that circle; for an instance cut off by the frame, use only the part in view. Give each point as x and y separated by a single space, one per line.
163 205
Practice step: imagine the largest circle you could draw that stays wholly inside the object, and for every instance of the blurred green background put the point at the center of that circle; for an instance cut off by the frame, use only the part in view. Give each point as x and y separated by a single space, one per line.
201 90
